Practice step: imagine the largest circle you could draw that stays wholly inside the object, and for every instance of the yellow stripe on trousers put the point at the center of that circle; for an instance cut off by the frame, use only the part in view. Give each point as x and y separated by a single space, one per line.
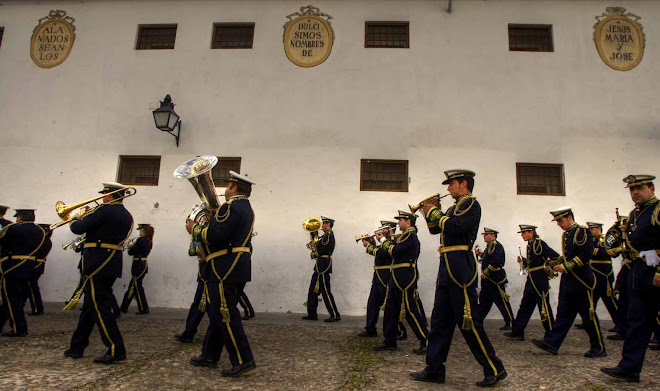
405 294
327 294
98 313
11 313
231 334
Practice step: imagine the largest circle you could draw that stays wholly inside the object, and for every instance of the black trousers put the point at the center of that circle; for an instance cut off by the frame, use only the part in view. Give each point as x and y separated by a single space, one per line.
621 285
34 295
13 301
531 300
138 292
573 300
326 291
448 311
195 315
490 294
642 317
245 304
415 315
97 310
601 293
221 333
374 303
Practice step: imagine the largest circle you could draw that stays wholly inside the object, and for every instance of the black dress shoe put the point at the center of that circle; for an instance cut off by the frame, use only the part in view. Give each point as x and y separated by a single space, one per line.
579 326
621 374
505 327
545 346
332 319
427 377
402 337
109 359
310 317
490 381
514 337
421 350
12 334
613 329
616 337
72 354
247 316
201 361
142 312
182 338
382 347
368 334
238 369
594 353
654 345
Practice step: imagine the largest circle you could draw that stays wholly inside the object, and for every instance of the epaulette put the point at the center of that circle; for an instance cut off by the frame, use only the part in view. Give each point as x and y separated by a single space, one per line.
654 215
491 247
5 228
225 216
468 197
325 241
538 243
580 242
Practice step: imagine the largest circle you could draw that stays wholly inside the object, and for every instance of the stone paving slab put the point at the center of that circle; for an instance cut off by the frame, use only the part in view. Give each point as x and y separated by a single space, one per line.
291 354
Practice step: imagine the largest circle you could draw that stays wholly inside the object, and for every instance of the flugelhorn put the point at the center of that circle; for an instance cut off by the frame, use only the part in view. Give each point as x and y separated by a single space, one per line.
74 243
418 206
65 211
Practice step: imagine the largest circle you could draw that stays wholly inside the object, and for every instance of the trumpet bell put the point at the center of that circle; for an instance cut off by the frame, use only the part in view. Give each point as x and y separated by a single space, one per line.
414 208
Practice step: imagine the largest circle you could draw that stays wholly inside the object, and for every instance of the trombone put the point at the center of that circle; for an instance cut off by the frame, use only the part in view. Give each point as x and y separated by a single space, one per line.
414 208
74 243
65 211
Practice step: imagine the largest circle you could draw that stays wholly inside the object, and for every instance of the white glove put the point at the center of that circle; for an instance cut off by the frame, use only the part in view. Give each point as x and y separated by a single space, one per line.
651 257
381 240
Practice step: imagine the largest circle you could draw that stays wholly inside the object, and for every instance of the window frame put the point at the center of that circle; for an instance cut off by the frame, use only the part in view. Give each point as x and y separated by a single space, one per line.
231 24
388 23
393 161
562 178
548 27
123 158
226 158
153 26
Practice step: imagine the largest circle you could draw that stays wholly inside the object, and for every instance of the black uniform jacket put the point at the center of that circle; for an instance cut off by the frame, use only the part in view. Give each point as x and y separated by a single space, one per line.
457 227
325 247
4 222
643 233
578 249
538 252
382 261
140 249
404 250
109 223
18 239
600 254
41 254
230 229
492 264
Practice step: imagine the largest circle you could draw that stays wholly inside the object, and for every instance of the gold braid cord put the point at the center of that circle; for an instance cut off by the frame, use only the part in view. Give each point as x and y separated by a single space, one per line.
204 299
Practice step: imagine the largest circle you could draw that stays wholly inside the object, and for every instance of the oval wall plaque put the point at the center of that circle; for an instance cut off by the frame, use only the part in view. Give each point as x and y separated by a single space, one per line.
52 40
619 40
309 37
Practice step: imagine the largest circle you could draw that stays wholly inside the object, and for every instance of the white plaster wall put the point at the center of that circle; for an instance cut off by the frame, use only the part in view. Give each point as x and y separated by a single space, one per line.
456 98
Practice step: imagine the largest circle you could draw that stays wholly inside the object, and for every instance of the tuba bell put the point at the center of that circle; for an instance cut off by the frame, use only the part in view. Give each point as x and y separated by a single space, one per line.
312 225
198 172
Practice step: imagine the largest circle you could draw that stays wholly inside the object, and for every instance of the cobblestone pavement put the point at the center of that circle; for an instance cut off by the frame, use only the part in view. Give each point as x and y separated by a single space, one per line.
292 354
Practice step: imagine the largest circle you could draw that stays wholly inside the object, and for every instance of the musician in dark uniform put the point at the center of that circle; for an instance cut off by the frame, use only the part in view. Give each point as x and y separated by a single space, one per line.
575 289
106 228
456 285
601 264
643 239
140 251
537 286
200 300
379 282
3 221
320 283
402 295
493 280
19 243
227 241
33 291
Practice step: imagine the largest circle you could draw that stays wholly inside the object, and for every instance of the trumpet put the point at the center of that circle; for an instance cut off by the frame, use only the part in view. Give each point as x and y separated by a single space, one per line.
129 243
359 238
74 243
65 211
414 208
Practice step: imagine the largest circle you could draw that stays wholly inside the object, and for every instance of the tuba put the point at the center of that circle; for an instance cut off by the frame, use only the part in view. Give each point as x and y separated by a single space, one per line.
198 172
312 224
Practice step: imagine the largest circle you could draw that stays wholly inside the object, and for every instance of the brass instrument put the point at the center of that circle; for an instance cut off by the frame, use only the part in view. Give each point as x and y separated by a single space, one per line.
477 253
523 261
418 206
364 237
74 243
549 267
198 172
65 211
312 224
615 238
127 244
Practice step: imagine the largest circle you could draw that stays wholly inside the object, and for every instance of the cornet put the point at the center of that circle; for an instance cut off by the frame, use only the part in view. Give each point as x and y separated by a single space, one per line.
127 244
74 243
523 260
418 206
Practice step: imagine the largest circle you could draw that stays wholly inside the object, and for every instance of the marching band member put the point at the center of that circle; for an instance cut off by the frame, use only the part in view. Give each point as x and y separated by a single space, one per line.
227 241
106 228
493 280
456 286
33 293
19 242
402 295
139 250
643 239
537 286
320 283
575 289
